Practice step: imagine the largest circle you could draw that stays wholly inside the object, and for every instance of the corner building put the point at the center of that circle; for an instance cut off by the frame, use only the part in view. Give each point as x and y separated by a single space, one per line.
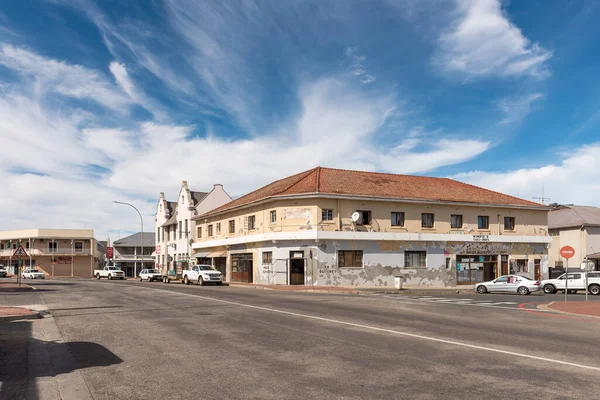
334 227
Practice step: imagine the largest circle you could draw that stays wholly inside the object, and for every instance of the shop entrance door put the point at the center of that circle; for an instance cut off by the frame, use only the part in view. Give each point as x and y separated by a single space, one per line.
241 267
296 268
504 265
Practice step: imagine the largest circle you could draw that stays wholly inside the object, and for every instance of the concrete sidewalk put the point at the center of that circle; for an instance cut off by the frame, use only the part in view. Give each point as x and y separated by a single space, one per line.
589 309
423 290
17 313
14 287
295 288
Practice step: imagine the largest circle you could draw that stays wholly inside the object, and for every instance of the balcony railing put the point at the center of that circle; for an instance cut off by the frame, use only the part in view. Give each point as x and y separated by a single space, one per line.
60 251
133 257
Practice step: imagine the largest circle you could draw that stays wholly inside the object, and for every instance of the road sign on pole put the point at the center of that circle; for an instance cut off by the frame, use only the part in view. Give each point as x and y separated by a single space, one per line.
567 252
20 252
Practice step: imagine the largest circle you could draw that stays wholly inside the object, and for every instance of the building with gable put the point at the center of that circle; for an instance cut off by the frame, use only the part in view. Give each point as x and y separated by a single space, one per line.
337 227
175 229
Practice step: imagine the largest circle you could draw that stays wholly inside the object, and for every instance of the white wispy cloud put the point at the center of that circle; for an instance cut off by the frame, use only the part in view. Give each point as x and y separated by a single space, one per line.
572 179
48 75
357 66
481 41
516 109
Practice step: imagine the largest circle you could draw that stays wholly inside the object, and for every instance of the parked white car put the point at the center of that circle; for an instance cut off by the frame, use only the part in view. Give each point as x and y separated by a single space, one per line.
3 272
574 281
202 274
150 275
109 272
33 273
509 284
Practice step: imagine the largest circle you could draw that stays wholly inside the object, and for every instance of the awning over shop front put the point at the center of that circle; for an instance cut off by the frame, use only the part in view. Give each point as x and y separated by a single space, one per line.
216 254
201 254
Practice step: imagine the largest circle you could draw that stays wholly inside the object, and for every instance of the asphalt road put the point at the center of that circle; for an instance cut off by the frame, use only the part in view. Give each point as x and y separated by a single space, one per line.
133 340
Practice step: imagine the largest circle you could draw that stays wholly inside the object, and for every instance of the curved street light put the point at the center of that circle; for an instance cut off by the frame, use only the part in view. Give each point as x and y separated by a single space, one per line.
141 235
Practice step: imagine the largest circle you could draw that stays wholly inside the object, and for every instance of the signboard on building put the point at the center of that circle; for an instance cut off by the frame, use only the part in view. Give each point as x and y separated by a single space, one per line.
481 238
110 252
158 249
64 260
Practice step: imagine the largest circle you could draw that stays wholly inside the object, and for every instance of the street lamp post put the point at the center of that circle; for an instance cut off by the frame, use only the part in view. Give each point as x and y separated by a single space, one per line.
141 235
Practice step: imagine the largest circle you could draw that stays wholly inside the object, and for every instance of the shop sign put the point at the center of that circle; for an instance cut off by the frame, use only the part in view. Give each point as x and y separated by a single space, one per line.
481 238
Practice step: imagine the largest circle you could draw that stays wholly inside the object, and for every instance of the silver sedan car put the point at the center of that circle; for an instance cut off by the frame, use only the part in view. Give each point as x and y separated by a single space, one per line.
509 284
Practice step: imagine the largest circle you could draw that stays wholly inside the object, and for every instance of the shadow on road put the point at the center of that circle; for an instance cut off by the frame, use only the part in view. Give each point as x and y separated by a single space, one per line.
24 359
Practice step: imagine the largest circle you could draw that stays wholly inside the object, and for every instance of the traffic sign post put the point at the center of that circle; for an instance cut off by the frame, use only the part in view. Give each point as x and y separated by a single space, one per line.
567 252
18 254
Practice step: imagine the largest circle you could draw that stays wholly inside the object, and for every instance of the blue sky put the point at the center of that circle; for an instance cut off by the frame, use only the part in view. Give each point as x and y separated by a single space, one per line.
114 100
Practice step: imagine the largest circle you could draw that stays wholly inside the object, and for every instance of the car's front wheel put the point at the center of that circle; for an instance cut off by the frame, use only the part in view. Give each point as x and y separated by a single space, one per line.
523 290
481 289
97 276
200 281
186 280
109 277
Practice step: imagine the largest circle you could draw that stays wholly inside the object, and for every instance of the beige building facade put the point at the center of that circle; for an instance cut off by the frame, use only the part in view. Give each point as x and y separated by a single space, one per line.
578 227
56 252
322 233
175 227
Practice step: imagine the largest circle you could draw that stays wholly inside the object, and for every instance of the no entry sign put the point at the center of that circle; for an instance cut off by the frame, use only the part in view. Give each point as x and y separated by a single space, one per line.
567 252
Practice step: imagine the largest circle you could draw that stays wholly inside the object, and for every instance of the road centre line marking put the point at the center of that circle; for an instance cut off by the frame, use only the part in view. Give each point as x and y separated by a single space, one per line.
385 330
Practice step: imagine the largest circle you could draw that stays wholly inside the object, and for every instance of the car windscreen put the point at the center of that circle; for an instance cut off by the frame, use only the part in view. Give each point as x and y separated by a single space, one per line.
152 271
113 268
205 268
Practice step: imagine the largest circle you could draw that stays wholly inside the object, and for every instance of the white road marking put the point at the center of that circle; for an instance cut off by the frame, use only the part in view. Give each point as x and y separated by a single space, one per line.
391 331
461 302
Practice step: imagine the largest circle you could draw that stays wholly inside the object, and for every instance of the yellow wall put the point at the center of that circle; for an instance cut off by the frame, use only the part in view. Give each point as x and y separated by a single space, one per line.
301 214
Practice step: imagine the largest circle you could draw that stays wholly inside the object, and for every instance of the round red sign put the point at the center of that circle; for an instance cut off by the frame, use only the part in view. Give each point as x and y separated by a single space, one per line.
567 252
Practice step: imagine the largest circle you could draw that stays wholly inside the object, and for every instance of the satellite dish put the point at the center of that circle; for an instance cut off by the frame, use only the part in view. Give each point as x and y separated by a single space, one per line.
355 216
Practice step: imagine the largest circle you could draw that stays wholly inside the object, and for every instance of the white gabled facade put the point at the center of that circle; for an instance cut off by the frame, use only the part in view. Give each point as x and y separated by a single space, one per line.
174 228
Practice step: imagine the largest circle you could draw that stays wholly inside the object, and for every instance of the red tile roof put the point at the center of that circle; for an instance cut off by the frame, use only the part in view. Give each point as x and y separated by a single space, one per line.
332 181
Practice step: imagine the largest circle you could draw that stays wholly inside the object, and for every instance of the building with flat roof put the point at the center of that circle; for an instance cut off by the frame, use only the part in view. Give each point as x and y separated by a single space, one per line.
129 252
56 252
336 227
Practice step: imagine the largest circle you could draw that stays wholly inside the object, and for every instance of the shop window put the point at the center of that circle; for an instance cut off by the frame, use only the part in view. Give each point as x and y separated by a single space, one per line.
350 259
267 257
397 219
273 217
232 226
519 266
509 223
327 214
427 220
483 222
52 247
415 259
456 221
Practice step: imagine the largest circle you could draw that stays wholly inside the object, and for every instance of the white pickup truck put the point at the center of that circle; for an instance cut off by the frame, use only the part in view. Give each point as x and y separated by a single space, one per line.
109 272
202 274
573 281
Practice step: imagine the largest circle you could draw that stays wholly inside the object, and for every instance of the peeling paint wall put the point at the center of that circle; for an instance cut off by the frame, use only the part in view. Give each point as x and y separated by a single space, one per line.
382 261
